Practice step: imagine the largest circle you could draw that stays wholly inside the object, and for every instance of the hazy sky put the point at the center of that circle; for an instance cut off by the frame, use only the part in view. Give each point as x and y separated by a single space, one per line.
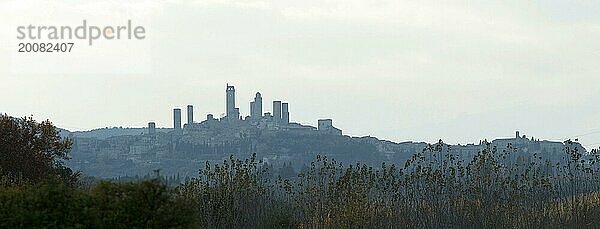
399 70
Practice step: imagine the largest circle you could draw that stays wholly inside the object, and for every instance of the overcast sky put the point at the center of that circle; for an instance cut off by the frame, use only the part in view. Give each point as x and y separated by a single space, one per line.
398 70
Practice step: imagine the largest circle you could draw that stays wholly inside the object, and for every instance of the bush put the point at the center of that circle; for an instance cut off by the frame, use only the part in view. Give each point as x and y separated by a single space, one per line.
436 188
147 204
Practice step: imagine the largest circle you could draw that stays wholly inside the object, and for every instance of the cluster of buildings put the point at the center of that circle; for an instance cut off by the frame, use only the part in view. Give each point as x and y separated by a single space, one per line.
279 117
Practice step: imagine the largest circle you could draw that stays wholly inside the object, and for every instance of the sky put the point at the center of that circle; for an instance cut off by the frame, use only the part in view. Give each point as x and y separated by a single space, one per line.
460 71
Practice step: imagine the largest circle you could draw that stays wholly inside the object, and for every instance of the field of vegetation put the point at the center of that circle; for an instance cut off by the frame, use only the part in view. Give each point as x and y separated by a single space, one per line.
435 188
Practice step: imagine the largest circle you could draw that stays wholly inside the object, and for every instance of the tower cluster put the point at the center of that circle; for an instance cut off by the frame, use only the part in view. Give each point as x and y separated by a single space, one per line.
280 114
277 118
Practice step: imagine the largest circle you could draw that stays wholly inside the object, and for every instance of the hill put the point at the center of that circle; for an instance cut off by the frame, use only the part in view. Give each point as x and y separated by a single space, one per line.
112 152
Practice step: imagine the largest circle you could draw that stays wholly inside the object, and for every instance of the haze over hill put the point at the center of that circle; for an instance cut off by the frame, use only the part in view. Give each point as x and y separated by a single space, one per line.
277 141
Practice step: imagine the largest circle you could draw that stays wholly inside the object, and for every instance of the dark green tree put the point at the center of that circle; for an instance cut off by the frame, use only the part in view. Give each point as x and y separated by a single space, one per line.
31 152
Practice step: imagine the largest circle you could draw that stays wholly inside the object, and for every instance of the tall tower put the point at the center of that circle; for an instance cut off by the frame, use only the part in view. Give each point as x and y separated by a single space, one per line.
285 113
190 114
151 128
230 101
256 106
277 111
177 119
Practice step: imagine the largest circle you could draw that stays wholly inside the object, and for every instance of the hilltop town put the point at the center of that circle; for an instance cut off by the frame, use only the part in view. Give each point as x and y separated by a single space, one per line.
233 125
277 141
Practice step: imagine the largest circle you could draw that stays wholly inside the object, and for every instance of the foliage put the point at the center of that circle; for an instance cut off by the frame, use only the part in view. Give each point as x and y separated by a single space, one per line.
148 204
31 152
235 195
434 188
